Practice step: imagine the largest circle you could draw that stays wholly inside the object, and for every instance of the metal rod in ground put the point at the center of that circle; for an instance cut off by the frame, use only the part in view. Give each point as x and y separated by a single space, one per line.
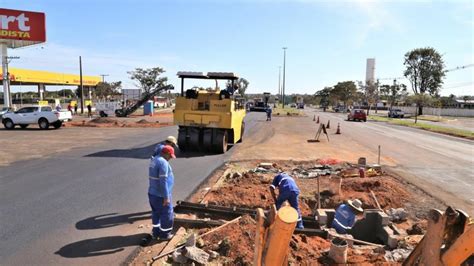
378 161
319 195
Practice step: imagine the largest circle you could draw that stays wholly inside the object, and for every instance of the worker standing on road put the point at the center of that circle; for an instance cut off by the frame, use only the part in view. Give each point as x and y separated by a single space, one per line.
345 216
159 193
288 191
170 141
89 110
269 113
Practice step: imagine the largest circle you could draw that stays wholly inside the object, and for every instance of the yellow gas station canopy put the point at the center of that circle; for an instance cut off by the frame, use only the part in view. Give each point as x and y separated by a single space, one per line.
34 77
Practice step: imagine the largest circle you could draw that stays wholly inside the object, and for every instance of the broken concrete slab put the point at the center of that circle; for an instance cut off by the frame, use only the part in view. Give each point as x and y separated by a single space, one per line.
325 216
196 254
177 257
398 214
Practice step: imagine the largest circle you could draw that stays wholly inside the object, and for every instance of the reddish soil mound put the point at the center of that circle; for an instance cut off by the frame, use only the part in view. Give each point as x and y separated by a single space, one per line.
248 179
305 249
388 192
102 120
247 196
234 241
143 121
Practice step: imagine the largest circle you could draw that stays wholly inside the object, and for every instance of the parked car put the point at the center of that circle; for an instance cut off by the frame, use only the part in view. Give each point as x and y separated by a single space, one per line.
293 105
357 114
339 108
396 113
3 111
44 116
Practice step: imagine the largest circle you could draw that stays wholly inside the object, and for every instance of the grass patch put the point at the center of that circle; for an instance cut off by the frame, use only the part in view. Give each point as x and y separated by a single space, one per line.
286 111
430 118
434 128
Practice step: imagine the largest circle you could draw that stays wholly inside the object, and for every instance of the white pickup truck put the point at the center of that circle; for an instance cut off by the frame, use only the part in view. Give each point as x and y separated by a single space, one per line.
44 116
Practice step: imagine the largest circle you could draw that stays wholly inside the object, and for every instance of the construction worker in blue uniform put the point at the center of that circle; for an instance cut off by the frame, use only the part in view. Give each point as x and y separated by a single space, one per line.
161 181
170 141
269 113
288 191
345 216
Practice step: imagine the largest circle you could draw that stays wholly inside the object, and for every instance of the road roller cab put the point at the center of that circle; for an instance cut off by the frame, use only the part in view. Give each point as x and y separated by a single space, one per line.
209 119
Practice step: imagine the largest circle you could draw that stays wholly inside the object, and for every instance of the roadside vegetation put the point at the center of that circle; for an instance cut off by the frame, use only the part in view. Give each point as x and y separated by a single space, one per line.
434 128
287 110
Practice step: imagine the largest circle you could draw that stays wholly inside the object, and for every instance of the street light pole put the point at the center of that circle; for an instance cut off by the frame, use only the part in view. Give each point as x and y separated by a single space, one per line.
284 65
279 81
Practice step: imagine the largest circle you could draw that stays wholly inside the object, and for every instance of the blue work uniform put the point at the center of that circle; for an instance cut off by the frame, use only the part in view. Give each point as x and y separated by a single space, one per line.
161 186
269 114
344 219
158 149
288 191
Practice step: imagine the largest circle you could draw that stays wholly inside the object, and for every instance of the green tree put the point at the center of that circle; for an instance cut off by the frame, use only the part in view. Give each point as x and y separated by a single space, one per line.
148 79
345 91
104 89
240 85
324 96
393 93
68 93
425 70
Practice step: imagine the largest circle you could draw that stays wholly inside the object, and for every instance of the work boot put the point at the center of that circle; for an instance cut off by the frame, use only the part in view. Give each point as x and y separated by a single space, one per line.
166 237
299 225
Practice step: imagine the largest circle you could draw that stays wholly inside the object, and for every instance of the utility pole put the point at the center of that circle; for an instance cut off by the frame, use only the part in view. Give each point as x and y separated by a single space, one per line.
284 64
279 80
103 77
81 86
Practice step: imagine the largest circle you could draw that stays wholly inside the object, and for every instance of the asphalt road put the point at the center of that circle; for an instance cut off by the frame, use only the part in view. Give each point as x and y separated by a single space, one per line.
78 207
441 165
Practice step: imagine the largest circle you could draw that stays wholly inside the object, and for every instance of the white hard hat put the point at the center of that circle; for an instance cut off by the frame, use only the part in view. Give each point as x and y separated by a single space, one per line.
172 140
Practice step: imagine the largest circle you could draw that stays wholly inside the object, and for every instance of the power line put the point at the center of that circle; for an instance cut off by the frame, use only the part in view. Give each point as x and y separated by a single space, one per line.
103 77
447 70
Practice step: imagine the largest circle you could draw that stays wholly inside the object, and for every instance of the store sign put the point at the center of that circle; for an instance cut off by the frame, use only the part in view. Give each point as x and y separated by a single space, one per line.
22 25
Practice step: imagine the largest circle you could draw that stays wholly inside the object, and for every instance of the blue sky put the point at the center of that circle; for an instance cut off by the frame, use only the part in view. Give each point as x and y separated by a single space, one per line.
328 41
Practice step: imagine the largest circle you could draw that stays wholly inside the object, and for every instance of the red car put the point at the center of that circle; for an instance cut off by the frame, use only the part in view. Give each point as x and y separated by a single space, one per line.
357 114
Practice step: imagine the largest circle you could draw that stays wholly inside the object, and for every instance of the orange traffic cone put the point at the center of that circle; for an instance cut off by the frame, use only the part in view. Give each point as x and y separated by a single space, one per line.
338 129
327 127
314 118
317 121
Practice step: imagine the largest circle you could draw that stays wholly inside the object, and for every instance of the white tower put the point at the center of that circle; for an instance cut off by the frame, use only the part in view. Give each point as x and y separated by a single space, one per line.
370 71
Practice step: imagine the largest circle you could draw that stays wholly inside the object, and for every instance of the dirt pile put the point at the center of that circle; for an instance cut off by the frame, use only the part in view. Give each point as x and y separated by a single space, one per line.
307 248
102 120
235 242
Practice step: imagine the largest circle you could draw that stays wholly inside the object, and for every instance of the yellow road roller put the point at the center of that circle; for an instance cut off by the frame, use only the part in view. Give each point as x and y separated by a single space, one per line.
209 119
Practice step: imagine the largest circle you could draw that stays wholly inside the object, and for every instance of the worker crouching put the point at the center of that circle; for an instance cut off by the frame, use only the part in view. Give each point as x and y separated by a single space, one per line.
161 180
345 216
287 191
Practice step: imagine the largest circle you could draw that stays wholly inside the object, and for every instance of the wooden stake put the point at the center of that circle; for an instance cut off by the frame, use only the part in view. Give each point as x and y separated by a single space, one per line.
357 241
259 237
375 198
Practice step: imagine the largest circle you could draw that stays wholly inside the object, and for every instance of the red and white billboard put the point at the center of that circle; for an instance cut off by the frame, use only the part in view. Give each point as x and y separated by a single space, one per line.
21 28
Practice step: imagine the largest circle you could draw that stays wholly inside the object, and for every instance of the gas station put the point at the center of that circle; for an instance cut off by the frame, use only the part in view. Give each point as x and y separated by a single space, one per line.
26 77
25 28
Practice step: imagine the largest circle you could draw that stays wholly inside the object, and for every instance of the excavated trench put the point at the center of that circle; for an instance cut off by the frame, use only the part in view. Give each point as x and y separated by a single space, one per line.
244 184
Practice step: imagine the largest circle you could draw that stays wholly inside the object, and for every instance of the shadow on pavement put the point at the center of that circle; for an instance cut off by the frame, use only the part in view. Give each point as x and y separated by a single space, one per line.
99 246
146 152
110 220
135 153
